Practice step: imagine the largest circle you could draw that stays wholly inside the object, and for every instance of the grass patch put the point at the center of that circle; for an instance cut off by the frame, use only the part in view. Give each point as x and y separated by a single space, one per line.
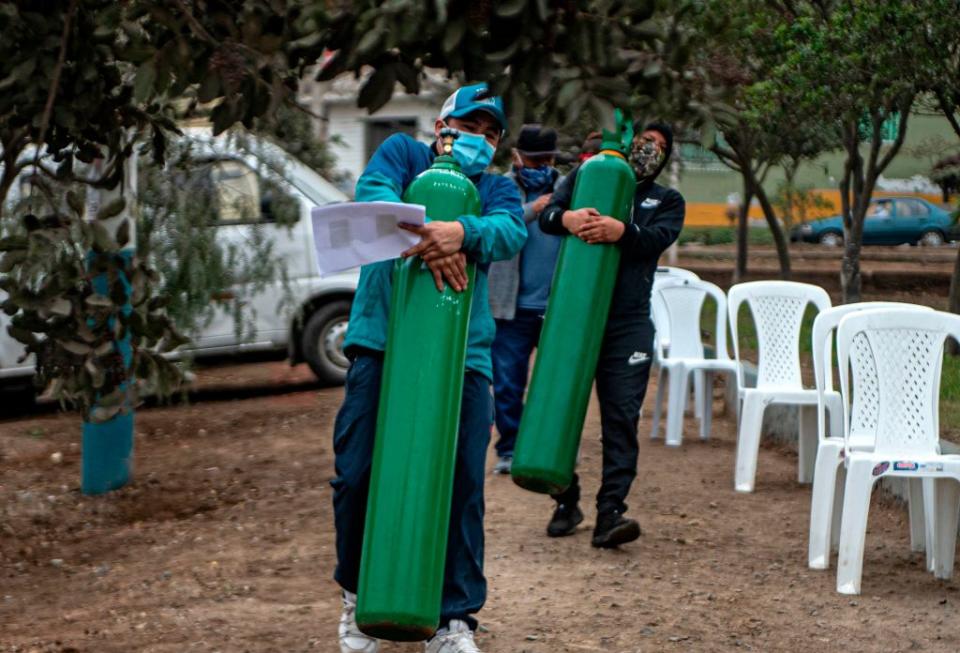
723 236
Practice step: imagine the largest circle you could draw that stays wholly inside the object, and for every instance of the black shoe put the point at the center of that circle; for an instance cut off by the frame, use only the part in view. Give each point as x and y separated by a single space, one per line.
613 529
565 520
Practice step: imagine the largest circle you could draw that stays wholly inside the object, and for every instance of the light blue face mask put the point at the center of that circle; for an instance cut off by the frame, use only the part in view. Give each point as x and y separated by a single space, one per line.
473 153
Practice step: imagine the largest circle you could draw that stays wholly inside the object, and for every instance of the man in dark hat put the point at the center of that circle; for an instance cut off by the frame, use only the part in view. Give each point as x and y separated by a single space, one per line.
519 287
627 351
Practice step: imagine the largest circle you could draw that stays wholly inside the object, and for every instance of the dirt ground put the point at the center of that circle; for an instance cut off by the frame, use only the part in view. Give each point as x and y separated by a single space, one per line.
224 542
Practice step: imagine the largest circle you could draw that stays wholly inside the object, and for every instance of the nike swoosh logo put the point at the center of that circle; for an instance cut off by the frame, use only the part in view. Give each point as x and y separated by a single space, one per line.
638 357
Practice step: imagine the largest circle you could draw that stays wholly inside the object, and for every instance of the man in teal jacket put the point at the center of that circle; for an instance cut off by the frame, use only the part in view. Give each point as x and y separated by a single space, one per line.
497 234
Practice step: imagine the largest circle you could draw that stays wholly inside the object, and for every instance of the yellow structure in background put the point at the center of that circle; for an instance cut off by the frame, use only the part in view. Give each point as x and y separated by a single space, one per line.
714 214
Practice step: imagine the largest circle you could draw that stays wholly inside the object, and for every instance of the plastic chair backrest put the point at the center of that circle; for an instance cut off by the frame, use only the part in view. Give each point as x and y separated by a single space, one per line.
894 357
824 326
667 270
777 308
658 312
682 300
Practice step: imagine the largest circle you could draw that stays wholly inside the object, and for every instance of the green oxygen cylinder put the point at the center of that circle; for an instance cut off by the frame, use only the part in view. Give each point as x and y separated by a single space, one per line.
418 419
583 282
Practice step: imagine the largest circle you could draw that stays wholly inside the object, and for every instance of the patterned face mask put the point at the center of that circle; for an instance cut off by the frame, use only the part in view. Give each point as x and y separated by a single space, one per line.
645 157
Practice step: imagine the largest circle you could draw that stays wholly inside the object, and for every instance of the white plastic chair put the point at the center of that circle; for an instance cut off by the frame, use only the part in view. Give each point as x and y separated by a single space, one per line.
828 476
777 308
661 325
682 301
668 270
895 358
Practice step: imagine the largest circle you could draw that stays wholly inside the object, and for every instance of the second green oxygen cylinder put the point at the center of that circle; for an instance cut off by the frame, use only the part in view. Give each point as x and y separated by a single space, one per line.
411 481
573 328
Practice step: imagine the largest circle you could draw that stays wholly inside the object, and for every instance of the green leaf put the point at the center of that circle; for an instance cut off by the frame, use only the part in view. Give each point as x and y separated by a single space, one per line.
111 209
408 76
370 41
19 75
102 414
99 301
210 88
453 34
22 335
103 348
145 79
503 55
11 243
75 202
123 234
74 347
97 375
511 7
569 91
441 8
60 306
379 88
11 260
102 240
116 398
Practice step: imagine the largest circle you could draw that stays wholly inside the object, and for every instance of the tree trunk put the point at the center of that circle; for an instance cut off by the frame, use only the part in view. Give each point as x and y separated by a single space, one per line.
954 306
779 239
743 230
850 279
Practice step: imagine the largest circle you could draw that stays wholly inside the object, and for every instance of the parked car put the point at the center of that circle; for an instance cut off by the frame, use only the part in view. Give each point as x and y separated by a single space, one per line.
890 221
313 321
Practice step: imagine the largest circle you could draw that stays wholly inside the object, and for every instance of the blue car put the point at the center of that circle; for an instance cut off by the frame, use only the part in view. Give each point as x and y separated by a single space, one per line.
890 221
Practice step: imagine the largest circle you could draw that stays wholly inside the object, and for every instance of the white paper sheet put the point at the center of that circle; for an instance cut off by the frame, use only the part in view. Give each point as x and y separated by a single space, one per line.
355 233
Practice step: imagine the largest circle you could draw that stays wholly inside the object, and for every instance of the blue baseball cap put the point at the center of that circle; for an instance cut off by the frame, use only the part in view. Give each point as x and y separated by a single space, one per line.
476 97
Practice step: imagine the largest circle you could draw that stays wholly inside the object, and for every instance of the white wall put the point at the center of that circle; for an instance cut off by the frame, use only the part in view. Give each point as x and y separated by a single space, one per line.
348 122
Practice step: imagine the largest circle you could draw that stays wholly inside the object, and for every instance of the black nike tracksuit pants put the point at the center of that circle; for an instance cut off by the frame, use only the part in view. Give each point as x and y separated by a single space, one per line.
623 371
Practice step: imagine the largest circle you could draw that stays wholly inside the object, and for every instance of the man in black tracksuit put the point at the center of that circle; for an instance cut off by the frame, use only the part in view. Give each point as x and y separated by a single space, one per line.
627 351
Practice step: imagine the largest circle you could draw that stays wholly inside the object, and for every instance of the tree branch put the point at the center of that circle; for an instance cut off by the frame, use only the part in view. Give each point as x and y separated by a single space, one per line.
901 136
950 111
58 69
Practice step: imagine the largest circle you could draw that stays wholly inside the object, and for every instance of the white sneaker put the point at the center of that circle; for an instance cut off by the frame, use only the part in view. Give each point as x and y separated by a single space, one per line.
351 639
455 638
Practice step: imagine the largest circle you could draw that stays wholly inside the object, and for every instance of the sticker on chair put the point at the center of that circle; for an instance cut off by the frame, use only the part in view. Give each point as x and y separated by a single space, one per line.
905 466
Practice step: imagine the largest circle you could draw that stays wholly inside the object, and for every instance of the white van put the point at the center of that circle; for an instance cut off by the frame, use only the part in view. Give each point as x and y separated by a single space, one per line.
306 314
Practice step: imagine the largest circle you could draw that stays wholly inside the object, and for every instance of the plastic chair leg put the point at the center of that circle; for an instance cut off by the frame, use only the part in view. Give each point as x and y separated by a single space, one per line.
679 387
706 407
748 442
658 403
930 513
834 418
915 508
807 443
822 505
853 529
838 507
698 384
947 492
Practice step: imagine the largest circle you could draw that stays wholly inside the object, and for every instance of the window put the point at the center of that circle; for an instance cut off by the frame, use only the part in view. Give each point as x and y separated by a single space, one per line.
880 210
236 192
912 209
379 130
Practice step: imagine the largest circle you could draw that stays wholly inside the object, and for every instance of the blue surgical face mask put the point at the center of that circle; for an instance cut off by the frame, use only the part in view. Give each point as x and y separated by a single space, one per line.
537 179
473 153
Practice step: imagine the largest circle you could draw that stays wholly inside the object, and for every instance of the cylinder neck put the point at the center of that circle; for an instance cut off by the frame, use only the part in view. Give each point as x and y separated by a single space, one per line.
616 153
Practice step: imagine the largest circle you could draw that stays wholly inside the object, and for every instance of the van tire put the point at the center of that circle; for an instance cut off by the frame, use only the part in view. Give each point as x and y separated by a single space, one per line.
322 342
17 399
